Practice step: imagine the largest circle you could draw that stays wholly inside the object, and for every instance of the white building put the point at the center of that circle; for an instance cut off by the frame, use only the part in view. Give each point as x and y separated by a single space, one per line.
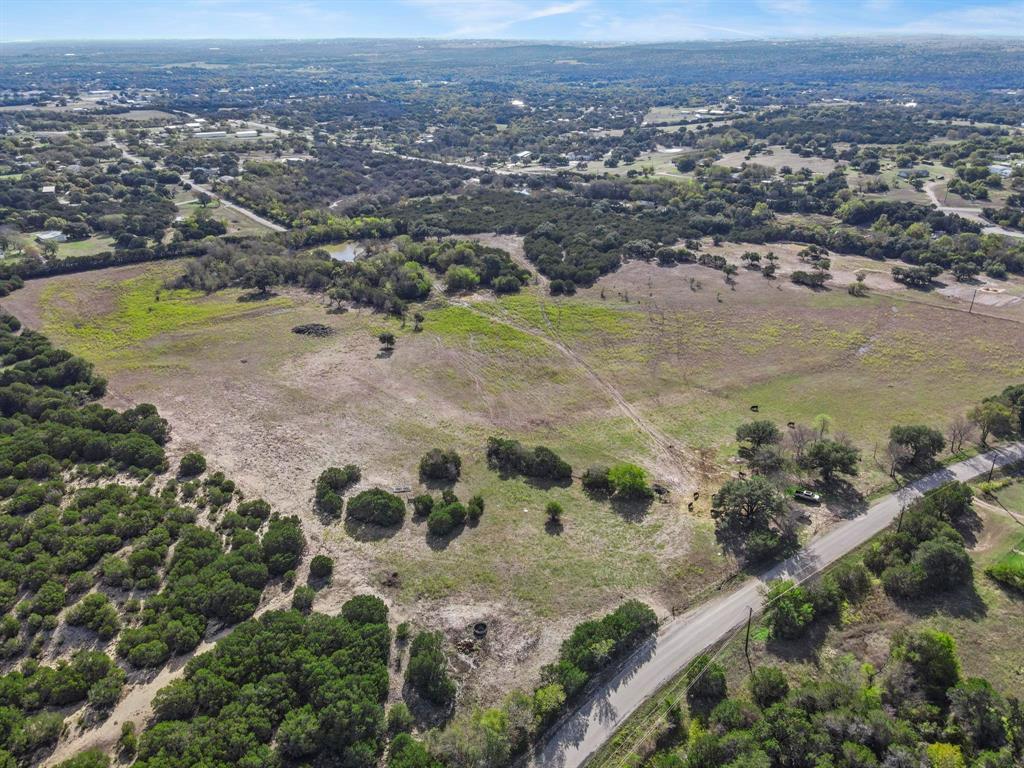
51 236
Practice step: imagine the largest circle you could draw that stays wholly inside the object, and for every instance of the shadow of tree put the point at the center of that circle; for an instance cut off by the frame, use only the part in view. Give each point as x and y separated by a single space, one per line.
257 296
804 648
961 603
633 510
852 501
426 713
439 542
366 532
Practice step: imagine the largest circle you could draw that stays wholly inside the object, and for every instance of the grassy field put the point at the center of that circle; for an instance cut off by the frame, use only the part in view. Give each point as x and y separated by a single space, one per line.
132 312
663 164
687 353
88 247
977 617
777 157
237 223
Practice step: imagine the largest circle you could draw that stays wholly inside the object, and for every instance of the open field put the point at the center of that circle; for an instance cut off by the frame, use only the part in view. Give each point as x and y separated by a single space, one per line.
236 222
88 247
663 163
776 157
648 356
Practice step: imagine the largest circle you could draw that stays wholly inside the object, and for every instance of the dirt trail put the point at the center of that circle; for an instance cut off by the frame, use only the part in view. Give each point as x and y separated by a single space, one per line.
673 464
999 509
137 704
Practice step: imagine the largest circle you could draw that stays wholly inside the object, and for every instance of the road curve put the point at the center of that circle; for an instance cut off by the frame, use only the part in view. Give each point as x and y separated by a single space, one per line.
581 733
974 214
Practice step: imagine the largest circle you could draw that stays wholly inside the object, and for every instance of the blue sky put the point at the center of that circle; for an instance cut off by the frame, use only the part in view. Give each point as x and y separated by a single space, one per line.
642 20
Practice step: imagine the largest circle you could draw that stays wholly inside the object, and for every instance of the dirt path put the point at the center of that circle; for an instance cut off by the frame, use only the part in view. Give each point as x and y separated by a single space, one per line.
673 464
137 705
999 510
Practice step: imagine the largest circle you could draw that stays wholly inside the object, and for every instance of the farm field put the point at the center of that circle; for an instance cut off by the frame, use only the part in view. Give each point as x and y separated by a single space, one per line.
647 357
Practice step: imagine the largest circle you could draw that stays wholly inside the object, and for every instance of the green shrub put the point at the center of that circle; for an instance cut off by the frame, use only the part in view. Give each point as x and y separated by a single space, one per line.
511 457
768 685
1009 569
302 599
400 719
376 506
283 545
427 671
192 465
365 609
440 465
595 481
332 483
628 481
475 508
422 504
95 612
321 567
554 512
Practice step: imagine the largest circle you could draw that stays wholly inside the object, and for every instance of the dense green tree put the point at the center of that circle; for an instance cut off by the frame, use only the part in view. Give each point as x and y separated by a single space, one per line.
746 505
440 465
831 458
788 609
376 506
757 434
427 670
923 442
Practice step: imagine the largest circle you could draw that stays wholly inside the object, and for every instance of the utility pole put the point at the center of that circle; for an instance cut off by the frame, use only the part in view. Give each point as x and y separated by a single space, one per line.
972 301
992 469
899 523
746 643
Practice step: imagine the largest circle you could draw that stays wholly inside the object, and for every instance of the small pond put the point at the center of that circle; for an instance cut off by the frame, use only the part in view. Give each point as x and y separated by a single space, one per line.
346 252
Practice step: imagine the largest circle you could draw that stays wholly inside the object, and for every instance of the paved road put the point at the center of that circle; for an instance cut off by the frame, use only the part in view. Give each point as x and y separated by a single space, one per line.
974 214
204 188
244 211
681 640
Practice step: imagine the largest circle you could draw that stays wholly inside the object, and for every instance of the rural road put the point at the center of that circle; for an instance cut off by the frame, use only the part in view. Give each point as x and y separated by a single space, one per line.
583 732
244 211
974 214
204 188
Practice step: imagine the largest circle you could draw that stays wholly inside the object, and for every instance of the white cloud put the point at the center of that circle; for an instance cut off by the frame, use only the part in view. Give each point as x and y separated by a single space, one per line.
471 18
786 7
1006 20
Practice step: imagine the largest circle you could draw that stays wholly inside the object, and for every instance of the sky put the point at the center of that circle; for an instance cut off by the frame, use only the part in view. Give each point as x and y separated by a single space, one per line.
584 20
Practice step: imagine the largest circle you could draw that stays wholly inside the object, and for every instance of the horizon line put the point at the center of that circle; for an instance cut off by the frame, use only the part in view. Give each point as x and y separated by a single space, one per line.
866 36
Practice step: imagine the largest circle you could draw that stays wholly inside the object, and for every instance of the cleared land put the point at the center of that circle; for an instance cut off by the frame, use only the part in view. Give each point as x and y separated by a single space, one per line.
776 157
646 356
